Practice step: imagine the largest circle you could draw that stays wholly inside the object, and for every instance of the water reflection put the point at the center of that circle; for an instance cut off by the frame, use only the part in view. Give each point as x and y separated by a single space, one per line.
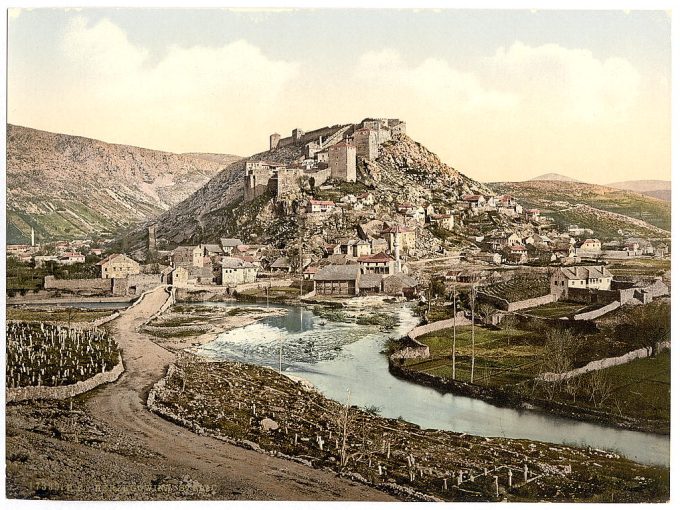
339 356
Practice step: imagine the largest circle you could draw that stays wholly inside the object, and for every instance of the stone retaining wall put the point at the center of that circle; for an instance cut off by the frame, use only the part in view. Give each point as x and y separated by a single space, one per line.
79 285
513 306
262 284
604 363
63 392
594 314
418 331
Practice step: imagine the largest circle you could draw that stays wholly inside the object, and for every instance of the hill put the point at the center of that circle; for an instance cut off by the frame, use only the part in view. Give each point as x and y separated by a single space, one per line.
68 187
553 177
601 208
403 171
651 187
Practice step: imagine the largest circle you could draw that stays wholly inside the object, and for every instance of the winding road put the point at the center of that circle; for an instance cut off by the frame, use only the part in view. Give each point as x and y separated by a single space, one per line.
234 472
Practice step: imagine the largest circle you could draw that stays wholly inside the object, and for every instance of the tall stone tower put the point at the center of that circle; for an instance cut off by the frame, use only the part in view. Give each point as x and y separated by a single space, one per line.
152 238
274 141
397 250
342 160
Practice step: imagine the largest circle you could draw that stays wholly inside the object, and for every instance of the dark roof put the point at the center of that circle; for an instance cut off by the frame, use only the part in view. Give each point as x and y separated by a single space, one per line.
281 262
404 279
230 242
585 272
370 281
334 272
376 257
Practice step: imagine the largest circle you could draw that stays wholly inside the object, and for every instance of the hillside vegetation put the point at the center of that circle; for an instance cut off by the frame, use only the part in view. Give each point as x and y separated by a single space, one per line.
68 187
588 204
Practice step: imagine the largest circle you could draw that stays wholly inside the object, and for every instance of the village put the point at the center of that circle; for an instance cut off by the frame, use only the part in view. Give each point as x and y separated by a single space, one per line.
512 308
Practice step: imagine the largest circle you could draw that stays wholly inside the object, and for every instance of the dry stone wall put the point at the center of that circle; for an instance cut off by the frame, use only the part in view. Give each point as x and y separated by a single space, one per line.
419 331
504 304
604 363
79 285
594 314
63 392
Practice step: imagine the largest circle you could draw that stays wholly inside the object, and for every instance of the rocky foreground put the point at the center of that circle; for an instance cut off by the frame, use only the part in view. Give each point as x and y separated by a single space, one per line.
258 408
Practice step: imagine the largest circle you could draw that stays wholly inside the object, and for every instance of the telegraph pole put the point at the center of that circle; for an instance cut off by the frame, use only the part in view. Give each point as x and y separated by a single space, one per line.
453 346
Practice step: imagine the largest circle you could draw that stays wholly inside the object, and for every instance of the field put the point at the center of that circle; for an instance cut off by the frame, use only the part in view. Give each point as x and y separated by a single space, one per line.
50 355
501 357
556 310
521 287
55 315
640 267
639 389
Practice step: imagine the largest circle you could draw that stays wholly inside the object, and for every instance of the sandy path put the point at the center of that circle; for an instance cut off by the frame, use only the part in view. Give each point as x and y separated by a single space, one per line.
236 473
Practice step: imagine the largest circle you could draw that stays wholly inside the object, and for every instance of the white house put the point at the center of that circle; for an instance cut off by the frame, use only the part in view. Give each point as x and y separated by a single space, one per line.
579 277
236 271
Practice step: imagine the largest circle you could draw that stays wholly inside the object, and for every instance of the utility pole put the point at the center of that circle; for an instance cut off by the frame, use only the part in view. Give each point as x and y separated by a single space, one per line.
453 346
473 297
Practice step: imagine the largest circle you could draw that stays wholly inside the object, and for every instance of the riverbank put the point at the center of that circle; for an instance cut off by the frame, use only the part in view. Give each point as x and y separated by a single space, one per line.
185 326
512 400
258 408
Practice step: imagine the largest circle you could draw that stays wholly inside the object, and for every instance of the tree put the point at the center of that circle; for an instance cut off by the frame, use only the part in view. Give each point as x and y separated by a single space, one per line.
558 356
646 325
485 311
509 323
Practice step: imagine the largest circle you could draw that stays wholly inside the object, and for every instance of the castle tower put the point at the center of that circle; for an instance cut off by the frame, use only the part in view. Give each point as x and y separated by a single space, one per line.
342 160
274 141
152 238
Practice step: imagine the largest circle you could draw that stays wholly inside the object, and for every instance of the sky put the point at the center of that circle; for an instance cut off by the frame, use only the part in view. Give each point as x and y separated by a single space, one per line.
499 95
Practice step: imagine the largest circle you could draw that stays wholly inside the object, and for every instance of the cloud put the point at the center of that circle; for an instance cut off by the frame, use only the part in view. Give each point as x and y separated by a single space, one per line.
572 82
432 81
222 90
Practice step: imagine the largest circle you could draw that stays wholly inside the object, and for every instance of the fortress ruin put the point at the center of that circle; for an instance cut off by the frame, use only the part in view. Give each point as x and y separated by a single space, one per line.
329 152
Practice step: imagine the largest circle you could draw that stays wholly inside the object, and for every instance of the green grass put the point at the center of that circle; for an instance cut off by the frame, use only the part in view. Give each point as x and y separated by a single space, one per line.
519 288
501 357
640 267
555 310
639 389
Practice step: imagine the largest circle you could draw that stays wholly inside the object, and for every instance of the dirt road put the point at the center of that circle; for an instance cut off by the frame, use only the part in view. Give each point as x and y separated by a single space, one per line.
234 472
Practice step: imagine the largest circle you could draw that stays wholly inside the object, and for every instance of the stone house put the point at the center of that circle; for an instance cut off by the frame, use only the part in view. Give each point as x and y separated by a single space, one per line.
320 206
353 248
179 277
281 265
68 259
370 283
591 246
236 271
337 280
579 277
378 245
187 256
406 237
229 244
400 284
378 263
532 214
309 272
211 250
442 220
474 202
489 258
516 254
118 265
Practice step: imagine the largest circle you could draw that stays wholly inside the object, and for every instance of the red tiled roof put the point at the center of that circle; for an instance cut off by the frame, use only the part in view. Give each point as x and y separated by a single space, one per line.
321 202
376 257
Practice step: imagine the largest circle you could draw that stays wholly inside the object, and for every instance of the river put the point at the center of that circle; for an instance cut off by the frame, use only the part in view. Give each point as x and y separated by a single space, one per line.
337 357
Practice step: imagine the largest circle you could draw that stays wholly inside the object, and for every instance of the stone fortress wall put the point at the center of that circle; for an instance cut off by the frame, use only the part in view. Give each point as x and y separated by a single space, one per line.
318 147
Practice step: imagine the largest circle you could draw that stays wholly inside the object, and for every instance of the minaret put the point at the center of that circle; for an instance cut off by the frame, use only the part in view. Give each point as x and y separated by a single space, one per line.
397 264
32 236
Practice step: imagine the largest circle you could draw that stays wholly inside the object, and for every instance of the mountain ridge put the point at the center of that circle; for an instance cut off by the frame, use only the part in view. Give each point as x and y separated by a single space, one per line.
69 186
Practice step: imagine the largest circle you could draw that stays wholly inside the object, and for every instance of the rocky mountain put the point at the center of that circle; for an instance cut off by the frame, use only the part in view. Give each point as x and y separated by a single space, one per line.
69 187
651 187
604 209
404 171
553 177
